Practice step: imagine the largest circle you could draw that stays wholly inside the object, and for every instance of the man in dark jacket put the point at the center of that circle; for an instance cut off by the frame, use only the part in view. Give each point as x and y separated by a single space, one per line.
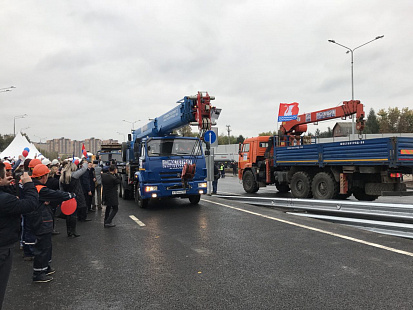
41 223
11 208
110 183
87 190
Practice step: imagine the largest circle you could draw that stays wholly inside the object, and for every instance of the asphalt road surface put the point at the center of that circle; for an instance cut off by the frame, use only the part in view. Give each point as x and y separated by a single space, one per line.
217 255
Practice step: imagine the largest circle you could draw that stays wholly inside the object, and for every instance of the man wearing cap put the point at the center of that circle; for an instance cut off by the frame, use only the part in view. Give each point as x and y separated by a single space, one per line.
41 223
28 236
10 211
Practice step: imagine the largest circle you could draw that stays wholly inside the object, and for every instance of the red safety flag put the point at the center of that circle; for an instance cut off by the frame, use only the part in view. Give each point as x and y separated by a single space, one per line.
287 111
84 151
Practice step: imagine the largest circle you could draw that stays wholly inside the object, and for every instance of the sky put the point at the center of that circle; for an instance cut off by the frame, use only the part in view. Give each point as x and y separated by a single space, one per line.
82 67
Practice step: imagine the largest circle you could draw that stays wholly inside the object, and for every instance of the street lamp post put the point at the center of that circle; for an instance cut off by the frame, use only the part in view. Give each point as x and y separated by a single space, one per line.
133 123
14 122
349 50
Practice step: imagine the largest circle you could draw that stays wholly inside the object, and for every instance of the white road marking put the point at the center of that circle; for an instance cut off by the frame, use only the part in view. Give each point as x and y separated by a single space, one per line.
376 245
137 221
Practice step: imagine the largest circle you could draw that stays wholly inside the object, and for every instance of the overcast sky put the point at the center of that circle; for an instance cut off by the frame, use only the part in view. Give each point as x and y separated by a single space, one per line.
81 67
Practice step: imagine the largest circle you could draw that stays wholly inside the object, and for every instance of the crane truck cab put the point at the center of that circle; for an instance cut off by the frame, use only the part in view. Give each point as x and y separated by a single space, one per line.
161 164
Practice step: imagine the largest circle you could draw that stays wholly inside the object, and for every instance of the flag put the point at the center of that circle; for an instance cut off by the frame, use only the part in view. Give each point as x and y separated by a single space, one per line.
73 160
84 151
287 111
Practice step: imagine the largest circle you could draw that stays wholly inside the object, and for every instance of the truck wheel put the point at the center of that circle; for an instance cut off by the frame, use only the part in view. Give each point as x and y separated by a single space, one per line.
301 185
142 203
249 183
194 199
324 186
282 187
361 195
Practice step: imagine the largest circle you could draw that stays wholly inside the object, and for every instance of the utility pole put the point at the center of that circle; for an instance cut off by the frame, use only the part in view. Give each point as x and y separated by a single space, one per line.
229 131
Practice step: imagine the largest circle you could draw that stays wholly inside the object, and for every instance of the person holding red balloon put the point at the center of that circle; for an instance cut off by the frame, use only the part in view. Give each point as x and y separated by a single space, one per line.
69 181
41 223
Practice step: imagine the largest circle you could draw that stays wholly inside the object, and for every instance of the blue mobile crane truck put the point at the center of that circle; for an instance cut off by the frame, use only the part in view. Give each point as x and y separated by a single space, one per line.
160 164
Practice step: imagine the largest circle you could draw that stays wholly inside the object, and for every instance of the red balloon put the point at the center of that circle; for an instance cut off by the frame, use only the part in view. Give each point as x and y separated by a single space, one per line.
76 162
69 206
25 153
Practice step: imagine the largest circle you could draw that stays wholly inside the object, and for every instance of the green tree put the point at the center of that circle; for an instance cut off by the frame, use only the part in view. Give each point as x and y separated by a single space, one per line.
268 133
372 123
5 140
324 134
240 139
395 121
406 121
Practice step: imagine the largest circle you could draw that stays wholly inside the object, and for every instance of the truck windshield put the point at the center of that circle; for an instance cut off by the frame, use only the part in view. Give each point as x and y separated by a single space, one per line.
170 147
107 157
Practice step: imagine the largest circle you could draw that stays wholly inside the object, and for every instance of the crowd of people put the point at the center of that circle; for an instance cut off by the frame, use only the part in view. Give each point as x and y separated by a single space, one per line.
31 196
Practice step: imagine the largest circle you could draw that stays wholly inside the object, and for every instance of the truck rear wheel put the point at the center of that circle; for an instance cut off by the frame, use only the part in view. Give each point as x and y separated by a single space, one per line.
324 186
194 199
249 183
301 185
361 195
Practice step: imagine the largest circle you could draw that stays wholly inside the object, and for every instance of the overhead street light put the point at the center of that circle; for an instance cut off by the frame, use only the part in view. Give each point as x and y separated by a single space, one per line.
6 89
133 123
124 136
14 122
349 50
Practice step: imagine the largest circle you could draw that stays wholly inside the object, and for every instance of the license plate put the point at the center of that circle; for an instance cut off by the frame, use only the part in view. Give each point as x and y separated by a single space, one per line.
178 192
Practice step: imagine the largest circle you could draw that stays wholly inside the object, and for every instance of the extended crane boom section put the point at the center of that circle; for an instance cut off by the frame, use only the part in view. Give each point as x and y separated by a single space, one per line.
191 109
348 108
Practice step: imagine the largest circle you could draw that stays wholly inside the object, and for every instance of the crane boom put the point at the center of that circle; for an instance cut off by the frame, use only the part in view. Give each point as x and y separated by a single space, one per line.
298 126
191 109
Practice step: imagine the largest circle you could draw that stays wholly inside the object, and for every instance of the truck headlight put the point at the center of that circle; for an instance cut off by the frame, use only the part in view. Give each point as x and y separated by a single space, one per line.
151 188
202 185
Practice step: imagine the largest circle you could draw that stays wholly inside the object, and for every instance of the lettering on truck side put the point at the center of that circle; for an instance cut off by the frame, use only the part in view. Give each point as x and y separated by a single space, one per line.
175 163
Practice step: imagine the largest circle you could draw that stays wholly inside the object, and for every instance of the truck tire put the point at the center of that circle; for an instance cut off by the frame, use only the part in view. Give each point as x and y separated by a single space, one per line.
361 195
249 183
324 186
282 187
142 203
194 199
301 185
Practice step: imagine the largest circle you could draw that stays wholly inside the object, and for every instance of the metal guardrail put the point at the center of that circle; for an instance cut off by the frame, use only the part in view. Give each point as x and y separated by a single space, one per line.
386 218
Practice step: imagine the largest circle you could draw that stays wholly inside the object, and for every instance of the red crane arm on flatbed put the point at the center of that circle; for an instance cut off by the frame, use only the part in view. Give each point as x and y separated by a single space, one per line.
298 126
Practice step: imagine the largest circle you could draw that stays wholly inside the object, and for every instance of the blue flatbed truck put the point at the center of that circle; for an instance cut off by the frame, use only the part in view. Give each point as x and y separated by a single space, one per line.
160 164
365 168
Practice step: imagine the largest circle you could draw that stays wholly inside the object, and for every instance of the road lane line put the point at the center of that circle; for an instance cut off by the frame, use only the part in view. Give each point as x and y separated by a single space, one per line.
376 245
137 221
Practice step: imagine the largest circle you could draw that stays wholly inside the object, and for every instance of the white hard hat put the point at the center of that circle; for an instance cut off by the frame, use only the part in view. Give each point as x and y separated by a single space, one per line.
55 162
45 161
